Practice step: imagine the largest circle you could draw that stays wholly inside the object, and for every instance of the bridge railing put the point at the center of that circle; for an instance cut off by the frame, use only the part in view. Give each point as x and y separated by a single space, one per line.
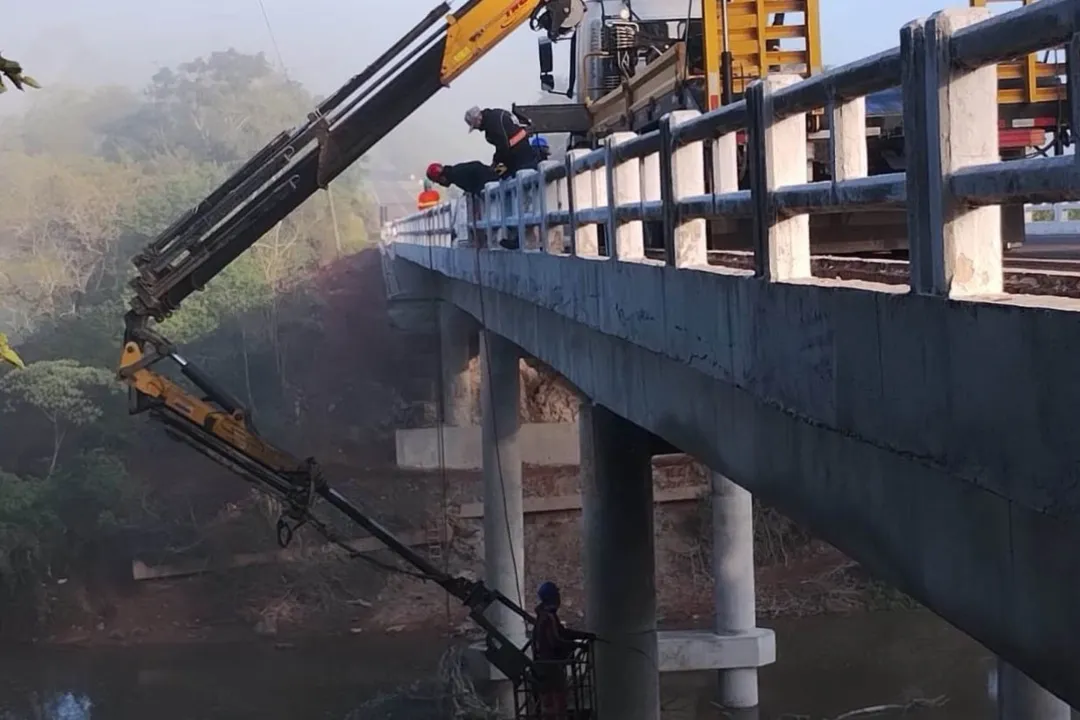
953 182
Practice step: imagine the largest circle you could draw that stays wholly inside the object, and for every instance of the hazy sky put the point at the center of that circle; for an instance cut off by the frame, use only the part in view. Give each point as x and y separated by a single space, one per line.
323 42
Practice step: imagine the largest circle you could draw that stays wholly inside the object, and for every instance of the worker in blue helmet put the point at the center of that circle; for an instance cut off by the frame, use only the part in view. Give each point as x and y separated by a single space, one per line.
553 647
541 146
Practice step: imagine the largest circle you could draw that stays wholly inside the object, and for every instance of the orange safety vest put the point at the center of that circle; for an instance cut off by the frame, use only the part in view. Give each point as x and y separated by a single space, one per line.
427 199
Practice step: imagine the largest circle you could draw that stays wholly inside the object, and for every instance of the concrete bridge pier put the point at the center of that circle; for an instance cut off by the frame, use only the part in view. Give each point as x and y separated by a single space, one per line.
504 526
620 577
1021 698
733 590
457 333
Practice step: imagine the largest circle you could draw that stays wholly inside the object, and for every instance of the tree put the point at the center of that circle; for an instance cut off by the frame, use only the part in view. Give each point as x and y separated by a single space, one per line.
219 109
66 393
23 522
61 221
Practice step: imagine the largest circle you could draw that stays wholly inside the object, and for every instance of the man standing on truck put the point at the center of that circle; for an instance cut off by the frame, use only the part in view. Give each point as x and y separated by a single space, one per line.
553 648
508 136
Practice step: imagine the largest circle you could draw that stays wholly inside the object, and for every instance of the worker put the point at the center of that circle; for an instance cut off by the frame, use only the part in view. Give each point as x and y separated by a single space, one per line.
469 176
8 355
509 137
553 647
540 147
428 198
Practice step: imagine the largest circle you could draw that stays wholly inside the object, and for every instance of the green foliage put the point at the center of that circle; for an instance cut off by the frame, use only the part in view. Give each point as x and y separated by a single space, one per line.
219 109
25 522
93 494
63 390
90 176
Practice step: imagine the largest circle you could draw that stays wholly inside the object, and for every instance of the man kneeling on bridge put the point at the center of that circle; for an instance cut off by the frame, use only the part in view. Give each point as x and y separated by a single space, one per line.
471 177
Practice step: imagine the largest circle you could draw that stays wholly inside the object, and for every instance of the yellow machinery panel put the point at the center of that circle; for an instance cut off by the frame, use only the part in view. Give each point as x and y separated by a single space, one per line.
763 36
1019 80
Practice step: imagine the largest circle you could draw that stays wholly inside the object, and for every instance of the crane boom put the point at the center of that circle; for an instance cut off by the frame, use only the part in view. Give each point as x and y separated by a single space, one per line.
295 164
261 193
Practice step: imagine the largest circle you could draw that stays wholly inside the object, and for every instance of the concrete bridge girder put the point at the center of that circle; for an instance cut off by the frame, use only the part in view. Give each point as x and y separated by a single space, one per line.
914 433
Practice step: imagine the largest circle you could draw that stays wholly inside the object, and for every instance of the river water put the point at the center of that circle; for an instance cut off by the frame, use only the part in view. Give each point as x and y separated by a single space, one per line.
826 666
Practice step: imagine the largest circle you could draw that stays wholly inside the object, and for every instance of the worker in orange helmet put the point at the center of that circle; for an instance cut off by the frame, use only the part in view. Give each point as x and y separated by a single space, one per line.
428 198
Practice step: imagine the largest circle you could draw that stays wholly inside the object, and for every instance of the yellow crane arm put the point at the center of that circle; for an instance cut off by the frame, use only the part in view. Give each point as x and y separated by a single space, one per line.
477 28
291 168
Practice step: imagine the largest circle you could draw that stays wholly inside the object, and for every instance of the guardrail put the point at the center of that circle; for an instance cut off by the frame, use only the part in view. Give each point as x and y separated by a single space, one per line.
953 183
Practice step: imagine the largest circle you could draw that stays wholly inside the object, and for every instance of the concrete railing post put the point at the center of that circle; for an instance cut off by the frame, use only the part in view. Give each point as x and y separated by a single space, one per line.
528 182
689 239
725 164
623 188
725 177
847 139
584 240
491 214
950 122
550 199
650 182
504 536
777 156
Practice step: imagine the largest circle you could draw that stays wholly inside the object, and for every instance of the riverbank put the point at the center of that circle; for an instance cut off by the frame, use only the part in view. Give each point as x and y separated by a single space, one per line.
305 603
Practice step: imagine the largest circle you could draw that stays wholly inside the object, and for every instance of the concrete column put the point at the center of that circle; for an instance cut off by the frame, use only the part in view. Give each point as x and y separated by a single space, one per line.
1020 698
456 330
733 575
504 527
620 576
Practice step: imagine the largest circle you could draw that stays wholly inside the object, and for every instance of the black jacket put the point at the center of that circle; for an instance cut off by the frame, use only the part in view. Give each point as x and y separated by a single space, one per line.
469 176
499 128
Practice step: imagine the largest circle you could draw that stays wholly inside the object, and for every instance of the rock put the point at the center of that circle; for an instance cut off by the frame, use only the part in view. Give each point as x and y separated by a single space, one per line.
116 635
100 626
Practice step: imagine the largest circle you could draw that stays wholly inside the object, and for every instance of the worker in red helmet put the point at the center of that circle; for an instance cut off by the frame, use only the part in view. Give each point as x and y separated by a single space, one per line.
469 176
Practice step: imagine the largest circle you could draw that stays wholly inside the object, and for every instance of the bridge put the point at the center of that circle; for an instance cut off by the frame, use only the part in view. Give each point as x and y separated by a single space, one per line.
924 424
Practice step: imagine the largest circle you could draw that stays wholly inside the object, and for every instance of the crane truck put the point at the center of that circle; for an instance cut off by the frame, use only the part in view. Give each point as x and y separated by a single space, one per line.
288 170
640 59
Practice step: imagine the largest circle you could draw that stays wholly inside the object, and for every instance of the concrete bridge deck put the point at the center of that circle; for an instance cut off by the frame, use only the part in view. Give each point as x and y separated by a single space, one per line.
926 430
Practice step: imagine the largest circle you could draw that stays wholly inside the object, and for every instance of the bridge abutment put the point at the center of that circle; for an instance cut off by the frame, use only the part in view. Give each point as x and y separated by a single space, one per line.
504 518
620 566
